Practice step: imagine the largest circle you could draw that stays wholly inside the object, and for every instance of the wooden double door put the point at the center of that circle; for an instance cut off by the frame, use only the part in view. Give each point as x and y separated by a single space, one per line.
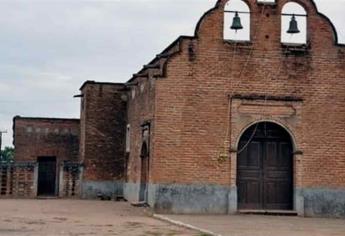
265 169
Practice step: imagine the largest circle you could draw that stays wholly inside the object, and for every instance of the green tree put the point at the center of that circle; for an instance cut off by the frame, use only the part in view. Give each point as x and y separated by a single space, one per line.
7 155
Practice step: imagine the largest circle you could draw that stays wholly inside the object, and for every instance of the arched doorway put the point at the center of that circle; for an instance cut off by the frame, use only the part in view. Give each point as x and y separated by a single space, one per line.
265 168
144 174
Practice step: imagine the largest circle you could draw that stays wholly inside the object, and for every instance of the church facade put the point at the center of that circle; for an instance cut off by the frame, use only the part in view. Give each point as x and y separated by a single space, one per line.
216 125
222 126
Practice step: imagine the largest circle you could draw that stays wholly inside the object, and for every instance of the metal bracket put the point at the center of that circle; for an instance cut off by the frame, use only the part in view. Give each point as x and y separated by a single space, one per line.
282 14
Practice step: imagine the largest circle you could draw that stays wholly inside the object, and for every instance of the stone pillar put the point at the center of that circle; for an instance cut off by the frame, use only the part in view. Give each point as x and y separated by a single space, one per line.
298 179
35 181
233 208
80 179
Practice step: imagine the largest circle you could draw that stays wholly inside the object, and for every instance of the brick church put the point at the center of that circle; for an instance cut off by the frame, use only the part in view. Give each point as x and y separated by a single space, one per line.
212 125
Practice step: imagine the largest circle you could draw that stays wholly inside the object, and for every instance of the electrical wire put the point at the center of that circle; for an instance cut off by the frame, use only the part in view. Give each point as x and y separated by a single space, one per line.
249 140
250 55
239 81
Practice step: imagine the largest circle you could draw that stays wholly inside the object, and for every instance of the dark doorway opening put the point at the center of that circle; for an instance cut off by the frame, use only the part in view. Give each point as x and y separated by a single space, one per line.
46 176
144 176
265 168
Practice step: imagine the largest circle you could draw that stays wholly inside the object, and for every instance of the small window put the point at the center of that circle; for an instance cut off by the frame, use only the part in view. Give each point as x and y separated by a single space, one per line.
38 130
29 129
239 10
294 17
128 138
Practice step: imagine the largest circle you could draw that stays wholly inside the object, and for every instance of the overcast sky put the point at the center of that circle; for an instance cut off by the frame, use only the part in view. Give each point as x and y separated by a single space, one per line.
49 48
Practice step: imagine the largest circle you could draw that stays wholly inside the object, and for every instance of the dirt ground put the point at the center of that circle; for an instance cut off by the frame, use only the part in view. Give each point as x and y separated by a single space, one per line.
80 218
83 218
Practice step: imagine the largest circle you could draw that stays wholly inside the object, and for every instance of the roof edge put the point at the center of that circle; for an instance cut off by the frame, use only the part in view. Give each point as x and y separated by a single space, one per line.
87 82
323 16
176 41
218 3
198 25
45 118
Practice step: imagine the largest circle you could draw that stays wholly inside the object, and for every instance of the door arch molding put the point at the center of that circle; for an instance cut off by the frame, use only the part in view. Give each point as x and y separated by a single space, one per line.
285 127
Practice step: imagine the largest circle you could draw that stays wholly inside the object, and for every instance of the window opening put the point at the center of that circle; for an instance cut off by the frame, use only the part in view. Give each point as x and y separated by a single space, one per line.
236 21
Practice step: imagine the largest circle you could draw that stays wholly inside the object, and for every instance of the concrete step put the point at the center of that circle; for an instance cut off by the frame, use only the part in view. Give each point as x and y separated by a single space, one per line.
269 212
47 197
139 204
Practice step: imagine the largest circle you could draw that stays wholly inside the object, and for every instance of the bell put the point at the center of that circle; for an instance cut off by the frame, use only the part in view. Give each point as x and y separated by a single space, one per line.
236 23
293 29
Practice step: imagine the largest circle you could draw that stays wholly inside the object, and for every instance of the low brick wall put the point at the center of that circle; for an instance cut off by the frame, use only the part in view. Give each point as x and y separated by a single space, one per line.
70 180
18 179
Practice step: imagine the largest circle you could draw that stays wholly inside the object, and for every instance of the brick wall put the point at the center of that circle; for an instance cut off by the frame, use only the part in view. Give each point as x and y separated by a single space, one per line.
39 137
18 180
141 100
192 110
70 179
103 125
34 138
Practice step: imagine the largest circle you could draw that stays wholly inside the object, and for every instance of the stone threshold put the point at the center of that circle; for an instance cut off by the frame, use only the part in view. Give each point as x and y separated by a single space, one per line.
269 212
46 197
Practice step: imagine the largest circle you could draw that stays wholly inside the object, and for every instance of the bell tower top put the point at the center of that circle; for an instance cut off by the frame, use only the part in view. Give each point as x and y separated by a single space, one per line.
266 16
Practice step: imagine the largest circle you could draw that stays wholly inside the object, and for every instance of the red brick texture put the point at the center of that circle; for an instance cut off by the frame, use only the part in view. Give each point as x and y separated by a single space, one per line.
140 112
17 180
40 137
103 126
211 90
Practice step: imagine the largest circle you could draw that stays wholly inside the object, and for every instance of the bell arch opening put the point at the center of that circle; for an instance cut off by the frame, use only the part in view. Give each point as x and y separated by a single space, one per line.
236 21
294 24
265 168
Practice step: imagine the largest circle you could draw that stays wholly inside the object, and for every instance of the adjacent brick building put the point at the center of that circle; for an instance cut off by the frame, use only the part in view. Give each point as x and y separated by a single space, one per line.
83 158
50 145
103 127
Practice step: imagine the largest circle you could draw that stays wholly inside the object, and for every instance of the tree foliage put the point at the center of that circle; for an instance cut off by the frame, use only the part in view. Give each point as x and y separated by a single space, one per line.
7 155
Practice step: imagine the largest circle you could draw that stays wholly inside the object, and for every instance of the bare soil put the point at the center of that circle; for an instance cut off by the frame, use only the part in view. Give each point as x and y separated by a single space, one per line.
81 218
